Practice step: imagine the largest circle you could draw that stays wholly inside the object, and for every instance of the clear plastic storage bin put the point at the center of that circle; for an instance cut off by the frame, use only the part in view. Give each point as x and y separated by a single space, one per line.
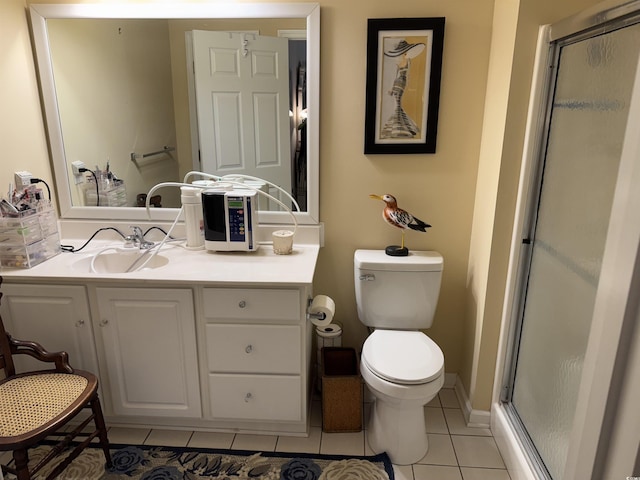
112 194
29 238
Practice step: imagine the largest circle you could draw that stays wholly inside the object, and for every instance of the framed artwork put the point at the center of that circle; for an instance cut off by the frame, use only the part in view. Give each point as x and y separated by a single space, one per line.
404 66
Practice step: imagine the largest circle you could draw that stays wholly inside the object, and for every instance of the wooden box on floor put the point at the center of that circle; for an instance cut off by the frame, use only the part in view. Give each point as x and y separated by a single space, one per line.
341 390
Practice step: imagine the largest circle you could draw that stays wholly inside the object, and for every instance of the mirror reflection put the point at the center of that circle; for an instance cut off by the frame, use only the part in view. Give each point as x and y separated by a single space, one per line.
144 101
125 107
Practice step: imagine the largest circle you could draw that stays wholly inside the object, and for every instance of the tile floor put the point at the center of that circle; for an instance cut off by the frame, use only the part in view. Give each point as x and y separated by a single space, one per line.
456 452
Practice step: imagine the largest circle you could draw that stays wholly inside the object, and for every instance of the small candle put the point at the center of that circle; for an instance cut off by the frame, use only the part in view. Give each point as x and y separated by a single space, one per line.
282 242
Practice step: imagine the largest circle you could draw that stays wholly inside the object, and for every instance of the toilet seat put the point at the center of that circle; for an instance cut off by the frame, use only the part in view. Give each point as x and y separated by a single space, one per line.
403 357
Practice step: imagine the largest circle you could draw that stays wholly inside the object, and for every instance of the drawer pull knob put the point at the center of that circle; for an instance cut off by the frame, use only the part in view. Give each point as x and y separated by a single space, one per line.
80 323
249 349
248 397
104 322
242 304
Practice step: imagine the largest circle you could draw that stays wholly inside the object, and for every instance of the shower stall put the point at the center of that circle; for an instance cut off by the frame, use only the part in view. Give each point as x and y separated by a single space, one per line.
570 344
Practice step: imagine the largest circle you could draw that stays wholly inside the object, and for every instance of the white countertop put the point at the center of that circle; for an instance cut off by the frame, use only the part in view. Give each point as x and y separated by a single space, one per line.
184 266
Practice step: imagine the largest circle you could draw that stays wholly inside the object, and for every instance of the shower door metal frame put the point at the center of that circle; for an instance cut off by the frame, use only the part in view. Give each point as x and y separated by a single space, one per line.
609 339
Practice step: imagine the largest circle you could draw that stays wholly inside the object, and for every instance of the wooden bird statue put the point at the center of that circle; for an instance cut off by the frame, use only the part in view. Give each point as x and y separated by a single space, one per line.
397 217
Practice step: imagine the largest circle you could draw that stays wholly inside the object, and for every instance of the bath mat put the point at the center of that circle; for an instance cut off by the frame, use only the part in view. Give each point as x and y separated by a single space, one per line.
146 462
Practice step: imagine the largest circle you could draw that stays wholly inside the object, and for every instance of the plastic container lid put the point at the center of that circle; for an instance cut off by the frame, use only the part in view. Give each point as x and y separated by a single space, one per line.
416 261
404 357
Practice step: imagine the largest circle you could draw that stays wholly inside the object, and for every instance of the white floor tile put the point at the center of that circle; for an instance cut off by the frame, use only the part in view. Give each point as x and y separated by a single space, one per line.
367 448
366 414
310 444
211 440
169 438
434 420
457 425
403 472
342 443
440 451
127 435
484 474
436 472
435 402
477 451
448 398
264 443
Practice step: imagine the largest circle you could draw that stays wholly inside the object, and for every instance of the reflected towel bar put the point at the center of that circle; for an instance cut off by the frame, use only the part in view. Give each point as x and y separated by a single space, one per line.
137 156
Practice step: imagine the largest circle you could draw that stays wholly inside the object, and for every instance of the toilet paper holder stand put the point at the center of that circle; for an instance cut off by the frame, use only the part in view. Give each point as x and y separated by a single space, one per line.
314 315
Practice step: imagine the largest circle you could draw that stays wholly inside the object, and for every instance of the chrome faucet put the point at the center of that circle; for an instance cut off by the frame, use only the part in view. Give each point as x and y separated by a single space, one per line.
137 238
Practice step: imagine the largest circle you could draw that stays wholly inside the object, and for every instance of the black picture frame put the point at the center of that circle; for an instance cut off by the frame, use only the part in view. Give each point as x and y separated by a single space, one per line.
404 69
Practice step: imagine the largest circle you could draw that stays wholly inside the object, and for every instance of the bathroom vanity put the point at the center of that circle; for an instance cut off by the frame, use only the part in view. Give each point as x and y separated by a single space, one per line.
210 340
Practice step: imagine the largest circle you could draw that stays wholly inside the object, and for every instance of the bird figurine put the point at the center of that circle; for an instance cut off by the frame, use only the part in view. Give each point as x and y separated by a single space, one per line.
397 217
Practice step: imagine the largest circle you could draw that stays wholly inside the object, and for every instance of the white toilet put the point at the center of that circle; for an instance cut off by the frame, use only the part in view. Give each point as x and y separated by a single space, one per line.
403 368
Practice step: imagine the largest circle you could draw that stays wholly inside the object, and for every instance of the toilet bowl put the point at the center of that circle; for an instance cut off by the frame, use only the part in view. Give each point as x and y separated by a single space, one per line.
404 370
402 367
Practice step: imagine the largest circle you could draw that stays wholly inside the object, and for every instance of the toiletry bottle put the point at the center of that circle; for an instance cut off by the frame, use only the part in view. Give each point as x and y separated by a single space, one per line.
192 204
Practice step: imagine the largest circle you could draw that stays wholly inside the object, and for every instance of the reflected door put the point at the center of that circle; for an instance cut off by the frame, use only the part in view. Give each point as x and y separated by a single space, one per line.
589 110
242 94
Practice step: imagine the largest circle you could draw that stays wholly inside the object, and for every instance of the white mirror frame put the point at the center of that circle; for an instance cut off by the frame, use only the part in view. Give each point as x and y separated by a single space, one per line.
39 16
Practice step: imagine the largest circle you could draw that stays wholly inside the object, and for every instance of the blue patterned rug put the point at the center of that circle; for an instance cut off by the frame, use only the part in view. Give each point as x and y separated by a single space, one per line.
171 463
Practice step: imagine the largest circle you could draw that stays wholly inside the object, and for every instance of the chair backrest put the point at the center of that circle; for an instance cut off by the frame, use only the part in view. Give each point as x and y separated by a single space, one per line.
6 359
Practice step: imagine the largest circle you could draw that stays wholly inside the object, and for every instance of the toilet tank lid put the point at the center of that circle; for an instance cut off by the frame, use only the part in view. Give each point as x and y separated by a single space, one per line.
416 261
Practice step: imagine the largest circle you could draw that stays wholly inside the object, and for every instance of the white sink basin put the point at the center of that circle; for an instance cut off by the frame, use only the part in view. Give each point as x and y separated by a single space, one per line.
121 261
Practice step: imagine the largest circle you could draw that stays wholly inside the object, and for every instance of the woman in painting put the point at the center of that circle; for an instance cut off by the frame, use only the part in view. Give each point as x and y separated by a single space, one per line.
399 124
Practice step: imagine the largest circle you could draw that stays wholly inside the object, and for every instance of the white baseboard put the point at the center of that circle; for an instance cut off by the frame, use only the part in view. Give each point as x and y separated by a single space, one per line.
474 418
450 380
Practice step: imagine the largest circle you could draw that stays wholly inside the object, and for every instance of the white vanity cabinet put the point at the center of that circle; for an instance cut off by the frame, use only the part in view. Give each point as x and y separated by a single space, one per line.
57 316
256 342
146 342
209 341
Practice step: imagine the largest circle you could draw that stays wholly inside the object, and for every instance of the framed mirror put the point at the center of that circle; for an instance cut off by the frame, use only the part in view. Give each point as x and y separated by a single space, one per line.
122 100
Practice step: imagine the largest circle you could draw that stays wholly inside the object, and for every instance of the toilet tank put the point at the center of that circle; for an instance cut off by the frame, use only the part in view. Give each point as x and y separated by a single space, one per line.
399 293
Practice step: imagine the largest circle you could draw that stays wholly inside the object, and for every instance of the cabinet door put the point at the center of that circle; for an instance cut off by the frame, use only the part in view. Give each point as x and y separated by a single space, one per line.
56 316
149 346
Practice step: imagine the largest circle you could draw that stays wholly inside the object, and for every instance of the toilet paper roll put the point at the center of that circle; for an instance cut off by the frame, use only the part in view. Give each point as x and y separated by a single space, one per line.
325 307
330 331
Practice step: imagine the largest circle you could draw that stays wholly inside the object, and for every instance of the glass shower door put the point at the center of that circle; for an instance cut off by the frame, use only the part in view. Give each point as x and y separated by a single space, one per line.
588 114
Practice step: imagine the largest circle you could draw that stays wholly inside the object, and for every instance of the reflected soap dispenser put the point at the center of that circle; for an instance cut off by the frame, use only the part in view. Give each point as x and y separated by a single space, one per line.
191 198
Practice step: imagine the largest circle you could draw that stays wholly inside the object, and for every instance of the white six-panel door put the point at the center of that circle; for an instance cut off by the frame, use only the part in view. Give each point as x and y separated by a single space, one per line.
242 95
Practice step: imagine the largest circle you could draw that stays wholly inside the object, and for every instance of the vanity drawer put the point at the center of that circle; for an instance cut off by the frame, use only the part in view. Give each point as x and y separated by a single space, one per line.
252 304
255 397
253 348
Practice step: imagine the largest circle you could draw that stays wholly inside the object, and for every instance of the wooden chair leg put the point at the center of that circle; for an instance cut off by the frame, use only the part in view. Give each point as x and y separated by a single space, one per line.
102 429
21 459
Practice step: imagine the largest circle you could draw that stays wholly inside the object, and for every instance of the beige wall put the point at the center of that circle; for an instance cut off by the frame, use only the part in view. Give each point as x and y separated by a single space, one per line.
438 188
503 137
22 134
130 84
478 148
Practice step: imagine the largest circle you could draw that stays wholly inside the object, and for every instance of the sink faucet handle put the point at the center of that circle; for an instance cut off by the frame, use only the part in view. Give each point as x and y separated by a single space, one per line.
137 238
136 231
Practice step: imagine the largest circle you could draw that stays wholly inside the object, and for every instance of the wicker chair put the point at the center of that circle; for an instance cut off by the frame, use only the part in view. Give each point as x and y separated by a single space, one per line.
36 405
